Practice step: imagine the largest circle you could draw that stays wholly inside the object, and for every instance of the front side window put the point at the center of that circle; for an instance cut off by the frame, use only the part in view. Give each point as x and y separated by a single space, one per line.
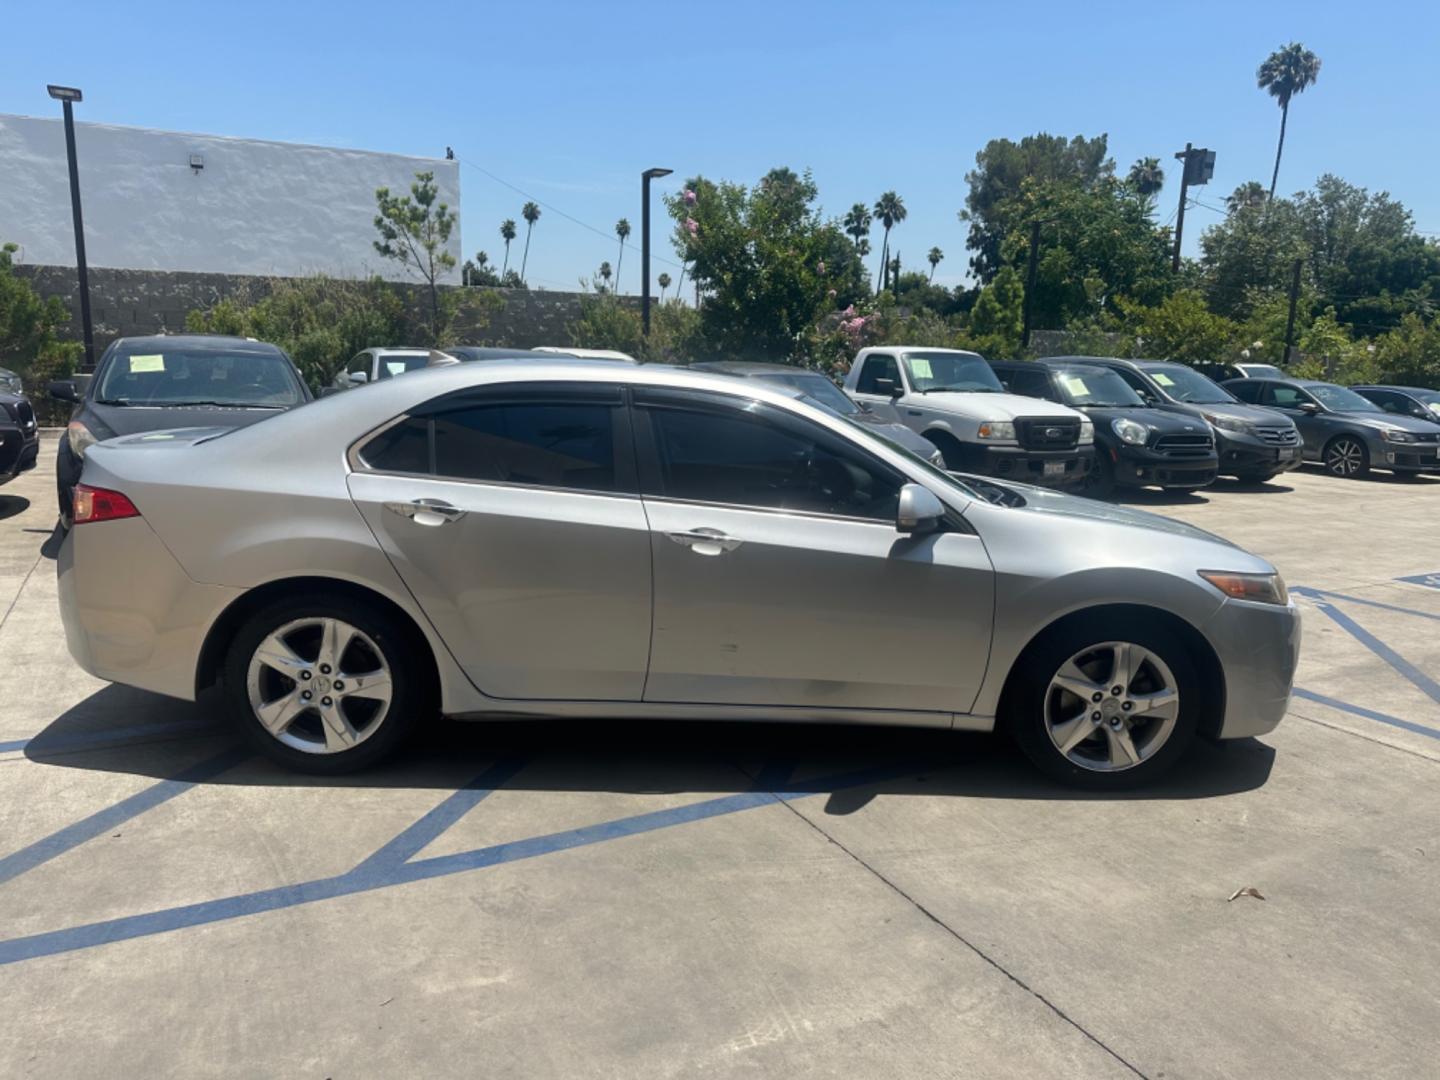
754 456
1286 397
878 367
162 374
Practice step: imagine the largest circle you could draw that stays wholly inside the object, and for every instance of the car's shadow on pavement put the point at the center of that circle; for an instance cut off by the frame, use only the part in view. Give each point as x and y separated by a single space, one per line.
121 730
12 505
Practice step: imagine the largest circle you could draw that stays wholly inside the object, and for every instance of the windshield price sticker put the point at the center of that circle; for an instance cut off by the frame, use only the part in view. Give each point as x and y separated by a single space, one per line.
1162 378
1074 384
142 364
921 369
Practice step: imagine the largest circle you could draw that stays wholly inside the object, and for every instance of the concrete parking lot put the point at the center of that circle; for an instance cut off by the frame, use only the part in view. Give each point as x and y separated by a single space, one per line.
588 900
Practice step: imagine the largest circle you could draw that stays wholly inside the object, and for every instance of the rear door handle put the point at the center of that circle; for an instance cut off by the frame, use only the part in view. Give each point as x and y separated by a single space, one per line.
430 512
705 541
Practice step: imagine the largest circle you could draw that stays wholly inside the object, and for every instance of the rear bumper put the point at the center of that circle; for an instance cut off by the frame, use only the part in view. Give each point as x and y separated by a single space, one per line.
1044 468
1259 648
131 614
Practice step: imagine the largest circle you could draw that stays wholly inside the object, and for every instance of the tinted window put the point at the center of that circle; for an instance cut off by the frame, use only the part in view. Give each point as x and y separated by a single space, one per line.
404 447
1029 383
392 364
756 457
877 367
1247 391
165 374
1136 382
1286 397
1387 400
554 444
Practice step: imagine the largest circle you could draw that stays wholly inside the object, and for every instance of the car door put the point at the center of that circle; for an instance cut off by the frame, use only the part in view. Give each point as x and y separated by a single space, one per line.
879 372
513 516
780 579
1316 425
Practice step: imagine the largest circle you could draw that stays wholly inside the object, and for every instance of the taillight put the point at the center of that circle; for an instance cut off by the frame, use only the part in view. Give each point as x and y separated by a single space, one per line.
100 504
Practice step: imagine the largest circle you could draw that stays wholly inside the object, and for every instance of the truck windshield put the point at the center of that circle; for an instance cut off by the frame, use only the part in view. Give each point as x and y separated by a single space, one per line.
1187 385
1095 386
951 371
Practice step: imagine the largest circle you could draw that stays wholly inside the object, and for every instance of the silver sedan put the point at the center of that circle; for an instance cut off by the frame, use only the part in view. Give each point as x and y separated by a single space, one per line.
611 541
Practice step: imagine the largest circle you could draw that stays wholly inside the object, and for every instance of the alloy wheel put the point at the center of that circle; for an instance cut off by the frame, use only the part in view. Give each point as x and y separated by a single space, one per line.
1111 706
1346 457
319 685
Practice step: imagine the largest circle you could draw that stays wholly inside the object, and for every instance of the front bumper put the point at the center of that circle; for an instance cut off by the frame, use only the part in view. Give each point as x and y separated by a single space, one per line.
1044 468
1259 648
1139 466
1241 454
19 450
1407 456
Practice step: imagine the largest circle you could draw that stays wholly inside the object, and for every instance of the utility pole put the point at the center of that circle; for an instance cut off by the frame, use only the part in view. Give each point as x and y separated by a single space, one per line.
1198 168
1290 319
67 96
1030 268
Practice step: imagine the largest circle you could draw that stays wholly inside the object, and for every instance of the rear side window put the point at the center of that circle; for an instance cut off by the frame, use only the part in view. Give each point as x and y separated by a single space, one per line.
876 368
565 445
402 448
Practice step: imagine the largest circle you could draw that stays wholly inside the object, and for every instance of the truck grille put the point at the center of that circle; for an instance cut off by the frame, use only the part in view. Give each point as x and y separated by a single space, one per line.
1045 433
1275 436
1184 446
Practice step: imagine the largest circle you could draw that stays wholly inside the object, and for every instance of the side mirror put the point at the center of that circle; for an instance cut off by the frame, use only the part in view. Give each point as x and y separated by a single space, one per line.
920 511
889 386
1308 407
358 378
326 391
64 390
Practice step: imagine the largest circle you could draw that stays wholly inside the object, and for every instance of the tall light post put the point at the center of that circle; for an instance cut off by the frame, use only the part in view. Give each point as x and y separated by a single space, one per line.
645 178
67 96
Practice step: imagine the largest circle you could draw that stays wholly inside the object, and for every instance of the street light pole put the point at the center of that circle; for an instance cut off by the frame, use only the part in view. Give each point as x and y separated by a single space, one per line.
1183 156
67 96
645 178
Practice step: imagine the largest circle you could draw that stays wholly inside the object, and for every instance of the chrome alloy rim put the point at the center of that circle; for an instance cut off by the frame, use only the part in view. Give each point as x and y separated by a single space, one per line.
1111 706
319 686
1345 458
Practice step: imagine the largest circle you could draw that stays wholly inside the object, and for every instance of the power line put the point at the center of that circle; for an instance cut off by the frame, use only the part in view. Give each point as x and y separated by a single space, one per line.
611 237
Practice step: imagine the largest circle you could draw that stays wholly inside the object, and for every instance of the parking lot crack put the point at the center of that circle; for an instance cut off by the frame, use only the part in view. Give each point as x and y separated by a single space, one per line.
25 581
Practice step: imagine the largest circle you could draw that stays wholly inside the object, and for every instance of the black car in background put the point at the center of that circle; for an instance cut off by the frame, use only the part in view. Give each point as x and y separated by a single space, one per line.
1135 445
19 435
1253 444
1345 432
172 381
1413 401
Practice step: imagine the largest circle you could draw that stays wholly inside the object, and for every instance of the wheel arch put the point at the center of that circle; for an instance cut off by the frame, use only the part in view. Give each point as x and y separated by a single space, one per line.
1201 652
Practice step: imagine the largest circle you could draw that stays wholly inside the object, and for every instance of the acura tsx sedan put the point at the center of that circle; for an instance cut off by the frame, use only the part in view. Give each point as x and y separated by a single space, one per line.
582 538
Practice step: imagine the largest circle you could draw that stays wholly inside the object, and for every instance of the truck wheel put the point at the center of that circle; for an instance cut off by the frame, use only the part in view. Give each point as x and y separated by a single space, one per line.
1105 704
1100 480
950 448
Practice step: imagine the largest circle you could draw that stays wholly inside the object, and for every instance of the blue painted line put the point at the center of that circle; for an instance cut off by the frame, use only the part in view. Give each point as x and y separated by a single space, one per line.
413 840
210 911
57 843
1316 594
44 744
1380 649
1369 714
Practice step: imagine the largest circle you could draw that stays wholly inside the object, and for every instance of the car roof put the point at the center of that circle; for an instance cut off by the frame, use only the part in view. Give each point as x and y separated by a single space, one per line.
196 341
917 348
1097 360
1398 389
752 367
407 350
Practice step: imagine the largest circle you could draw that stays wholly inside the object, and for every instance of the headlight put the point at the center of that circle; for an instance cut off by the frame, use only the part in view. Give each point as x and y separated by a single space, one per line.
996 429
938 459
1262 588
80 438
1087 432
1131 432
1229 423
1396 435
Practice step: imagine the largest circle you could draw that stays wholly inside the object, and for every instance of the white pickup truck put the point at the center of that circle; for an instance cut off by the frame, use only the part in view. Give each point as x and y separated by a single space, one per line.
954 399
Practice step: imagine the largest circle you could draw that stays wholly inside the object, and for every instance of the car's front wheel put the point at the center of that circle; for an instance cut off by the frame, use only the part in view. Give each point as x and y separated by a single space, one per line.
325 684
1104 704
1347 457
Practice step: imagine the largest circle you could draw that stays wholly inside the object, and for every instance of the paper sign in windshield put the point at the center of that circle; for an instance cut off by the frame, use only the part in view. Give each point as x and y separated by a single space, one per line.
395 367
1162 378
921 369
1074 384
141 364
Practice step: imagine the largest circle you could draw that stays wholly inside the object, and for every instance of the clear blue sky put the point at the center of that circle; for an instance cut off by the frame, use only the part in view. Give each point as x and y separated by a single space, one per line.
570 101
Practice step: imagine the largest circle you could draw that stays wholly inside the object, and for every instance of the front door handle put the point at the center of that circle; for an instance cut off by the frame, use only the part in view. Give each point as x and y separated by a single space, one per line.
705 541
430 512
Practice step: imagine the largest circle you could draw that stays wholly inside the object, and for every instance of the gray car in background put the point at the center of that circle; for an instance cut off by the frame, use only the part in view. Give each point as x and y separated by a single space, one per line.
1345 432
613 541
1414 401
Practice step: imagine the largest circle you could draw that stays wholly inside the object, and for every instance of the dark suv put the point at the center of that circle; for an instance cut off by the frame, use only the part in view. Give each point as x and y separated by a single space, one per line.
1253 444
1135 445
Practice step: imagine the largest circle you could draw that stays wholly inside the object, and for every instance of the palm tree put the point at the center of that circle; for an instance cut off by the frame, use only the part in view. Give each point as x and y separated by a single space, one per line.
531 213
605 274
1285 73
889 211
863 247
664 280
622 230
507 233
857 222
1146 177
1251 193
935 256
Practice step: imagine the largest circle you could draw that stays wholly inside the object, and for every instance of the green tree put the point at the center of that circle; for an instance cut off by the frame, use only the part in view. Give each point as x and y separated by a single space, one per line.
414 231
1286 72
606 273
997 319
934 258
889 211
1003 167
478 271
664 281
1250 253
857 223
507 233
30 327
1180 328
1249 194
622 230
1146 177
1409 355
531 213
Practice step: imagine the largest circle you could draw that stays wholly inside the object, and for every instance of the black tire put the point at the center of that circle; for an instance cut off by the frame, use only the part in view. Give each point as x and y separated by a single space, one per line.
413 696
1255 477
1099 482
1346 457
951 449
1023 708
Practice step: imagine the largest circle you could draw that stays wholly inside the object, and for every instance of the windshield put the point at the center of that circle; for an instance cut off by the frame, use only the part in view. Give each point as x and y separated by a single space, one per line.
162 374
1187 385
1095 386
392 364
1429 397
1341 399
951 371
817 388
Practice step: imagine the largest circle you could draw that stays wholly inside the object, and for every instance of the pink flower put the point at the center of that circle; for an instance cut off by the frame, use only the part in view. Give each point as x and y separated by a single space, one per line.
849 310
692 225
689 197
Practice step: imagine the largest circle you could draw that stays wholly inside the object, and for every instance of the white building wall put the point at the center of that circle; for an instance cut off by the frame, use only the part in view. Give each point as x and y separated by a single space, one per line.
263 208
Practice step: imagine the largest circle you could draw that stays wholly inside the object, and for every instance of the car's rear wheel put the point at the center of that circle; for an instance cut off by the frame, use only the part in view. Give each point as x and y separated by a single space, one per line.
951 449
325 684
1105 704
1346 457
